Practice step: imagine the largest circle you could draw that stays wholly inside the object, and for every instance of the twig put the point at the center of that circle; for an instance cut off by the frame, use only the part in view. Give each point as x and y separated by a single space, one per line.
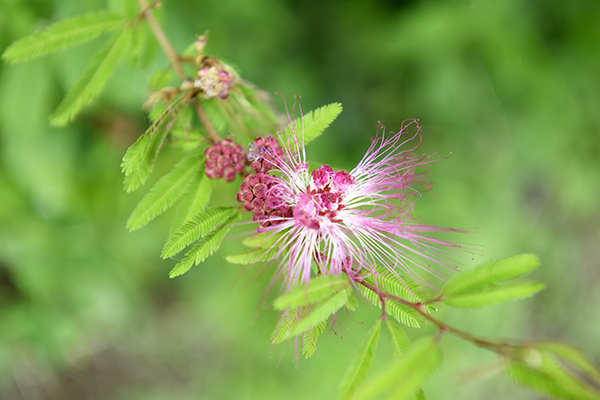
499 347
175 60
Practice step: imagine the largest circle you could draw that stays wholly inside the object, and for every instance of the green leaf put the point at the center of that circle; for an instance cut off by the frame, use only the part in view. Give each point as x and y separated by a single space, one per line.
166 192
309 339
264 240
400 312
313 123
93 80
320 313
215 111
194 201
61 35
144 46
576 361
253 256
548 377
399 338
204 248
187 139
135 153
361 365
139 159
406 289
405 376
352 304
160 78
317 289
496 295
286 320
490 273
555 370
197 227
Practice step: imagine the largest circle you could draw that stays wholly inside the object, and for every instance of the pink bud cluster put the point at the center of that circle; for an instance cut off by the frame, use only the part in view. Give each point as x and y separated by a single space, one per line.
262 154
255 195
214 81
224 160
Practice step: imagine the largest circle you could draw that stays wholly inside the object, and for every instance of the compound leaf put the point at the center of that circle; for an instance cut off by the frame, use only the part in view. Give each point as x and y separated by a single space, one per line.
253 256
166 192
319 313
204 248
194 201
61 35
264 240
310 337
197 227
310 127
405 376
399 338
400 312
283 326
574 358
93 80
317 289
404 287
496 295
491 273
361 365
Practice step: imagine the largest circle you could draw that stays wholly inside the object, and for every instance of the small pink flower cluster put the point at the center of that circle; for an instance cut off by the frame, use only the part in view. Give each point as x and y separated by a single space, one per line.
224 160
348 221
256 198
214 81
262 154
323 198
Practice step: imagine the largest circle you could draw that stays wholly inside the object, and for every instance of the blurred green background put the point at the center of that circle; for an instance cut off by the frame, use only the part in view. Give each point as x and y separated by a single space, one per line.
510 88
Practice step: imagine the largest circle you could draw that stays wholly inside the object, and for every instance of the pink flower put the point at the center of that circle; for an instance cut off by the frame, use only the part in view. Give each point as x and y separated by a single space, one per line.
338 222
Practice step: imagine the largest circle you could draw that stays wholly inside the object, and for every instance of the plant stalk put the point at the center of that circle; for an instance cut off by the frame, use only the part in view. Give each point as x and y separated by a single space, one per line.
498 347
165 44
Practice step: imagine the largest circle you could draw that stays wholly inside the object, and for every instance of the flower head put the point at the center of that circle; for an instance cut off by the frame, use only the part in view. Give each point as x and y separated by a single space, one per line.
335 222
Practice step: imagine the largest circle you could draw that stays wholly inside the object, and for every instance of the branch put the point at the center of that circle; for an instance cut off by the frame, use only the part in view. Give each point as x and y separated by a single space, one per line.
175 61
161 37
499 347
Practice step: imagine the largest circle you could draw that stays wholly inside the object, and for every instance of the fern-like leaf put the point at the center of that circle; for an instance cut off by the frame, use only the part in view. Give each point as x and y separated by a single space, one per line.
139 158
204 248
490 273
576 361
263 240
197 227
309 339
93 80
317 289
361 365
406 289
284 324
194 201
253 256
61 35
404 377
540 382
320 313
166 192
144 46
312 124
135 153
399 338
352 304
496 295
399 312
